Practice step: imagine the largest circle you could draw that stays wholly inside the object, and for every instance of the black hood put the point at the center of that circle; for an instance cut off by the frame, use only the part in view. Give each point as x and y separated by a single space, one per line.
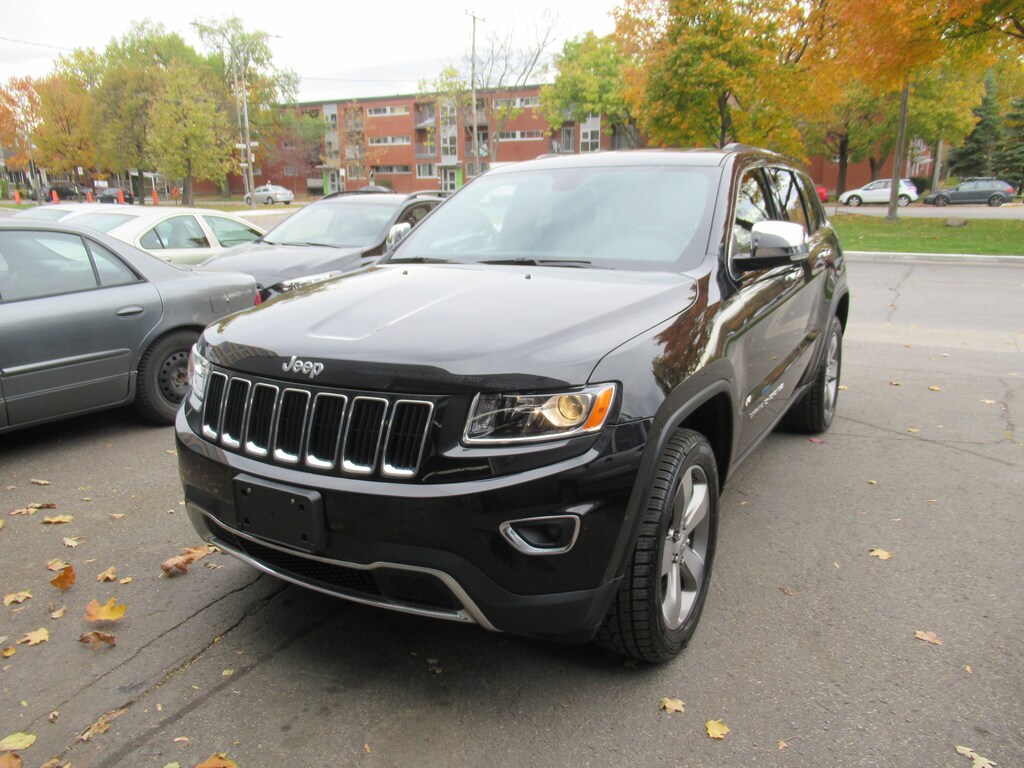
270 264
437 328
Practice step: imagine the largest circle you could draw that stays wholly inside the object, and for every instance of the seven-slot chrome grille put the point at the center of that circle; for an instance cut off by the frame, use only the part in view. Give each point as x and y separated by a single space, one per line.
329 431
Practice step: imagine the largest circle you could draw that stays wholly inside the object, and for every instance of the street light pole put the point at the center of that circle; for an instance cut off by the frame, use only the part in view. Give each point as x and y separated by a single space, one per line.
472 85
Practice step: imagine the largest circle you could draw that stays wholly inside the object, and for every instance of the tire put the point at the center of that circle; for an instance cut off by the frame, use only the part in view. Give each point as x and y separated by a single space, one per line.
656 611
903 201
996 200
942 201
163 376
814 411
248 200
269 201
854 201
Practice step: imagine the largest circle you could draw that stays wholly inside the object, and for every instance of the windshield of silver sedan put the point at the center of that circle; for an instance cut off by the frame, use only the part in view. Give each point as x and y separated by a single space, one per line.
624 217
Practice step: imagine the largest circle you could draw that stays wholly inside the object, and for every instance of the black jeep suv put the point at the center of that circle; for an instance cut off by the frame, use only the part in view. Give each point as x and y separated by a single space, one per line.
523 415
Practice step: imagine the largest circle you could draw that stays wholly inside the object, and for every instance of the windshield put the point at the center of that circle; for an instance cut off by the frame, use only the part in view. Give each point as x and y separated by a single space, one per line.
334 223
102 221
619 217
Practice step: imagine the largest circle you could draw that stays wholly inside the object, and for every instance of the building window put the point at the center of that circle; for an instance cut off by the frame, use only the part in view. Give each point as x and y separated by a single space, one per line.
520 135
517 103
426 171
392 169
387 111
590 134
291 170
355 172
392 140
471 168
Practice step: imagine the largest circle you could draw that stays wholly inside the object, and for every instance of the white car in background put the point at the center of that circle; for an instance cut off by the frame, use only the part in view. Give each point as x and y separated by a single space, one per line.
184 236
271 193
878 192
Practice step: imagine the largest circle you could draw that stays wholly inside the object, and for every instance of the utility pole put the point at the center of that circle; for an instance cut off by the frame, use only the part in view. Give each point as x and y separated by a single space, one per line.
472 85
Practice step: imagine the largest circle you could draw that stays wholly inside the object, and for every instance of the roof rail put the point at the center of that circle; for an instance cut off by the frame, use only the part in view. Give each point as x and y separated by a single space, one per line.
428 193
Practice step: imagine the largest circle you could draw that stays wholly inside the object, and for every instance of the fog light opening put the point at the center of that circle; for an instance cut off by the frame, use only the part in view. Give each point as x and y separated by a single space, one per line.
551 535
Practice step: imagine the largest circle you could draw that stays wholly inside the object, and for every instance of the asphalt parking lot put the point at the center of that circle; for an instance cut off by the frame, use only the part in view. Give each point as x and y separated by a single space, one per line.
807 649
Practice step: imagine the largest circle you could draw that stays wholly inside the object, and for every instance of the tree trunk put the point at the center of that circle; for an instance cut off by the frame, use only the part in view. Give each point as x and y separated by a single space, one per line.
724 120
897 161
844 162
187 193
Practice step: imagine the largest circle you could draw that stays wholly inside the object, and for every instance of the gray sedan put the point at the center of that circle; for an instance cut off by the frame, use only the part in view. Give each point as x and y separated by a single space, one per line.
92 323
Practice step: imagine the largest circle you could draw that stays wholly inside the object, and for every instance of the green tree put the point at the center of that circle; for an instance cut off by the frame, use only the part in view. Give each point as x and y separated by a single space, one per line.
189 131
1010 158
589 80
977 155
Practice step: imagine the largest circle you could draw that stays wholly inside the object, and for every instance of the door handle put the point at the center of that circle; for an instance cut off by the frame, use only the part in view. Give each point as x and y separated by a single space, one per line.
130 311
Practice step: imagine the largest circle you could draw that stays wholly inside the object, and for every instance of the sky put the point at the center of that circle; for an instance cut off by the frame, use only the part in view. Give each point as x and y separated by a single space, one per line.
341 49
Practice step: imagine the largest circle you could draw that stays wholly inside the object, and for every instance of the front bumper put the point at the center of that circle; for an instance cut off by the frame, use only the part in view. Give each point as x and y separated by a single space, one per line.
435 550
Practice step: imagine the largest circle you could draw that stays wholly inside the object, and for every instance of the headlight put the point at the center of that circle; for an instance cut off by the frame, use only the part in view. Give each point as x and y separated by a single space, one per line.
302 282
530 418
198 374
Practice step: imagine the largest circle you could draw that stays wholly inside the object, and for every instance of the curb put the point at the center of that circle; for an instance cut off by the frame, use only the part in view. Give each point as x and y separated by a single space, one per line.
977 258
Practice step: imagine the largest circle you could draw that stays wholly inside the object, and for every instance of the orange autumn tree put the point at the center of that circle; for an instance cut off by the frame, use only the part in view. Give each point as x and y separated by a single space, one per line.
19 116
708 72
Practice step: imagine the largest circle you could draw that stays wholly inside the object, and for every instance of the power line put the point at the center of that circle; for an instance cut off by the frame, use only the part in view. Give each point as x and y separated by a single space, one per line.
37 45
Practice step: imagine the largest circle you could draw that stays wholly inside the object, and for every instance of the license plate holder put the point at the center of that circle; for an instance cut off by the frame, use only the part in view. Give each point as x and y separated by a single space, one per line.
279 513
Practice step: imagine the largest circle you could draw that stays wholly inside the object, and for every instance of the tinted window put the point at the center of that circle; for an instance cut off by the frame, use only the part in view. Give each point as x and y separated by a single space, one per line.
346 222
229 232
816 217
112 270
751 207
790 204
43 264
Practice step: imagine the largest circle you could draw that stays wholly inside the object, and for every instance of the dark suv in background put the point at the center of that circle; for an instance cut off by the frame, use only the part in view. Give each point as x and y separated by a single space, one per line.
319 241
991 191
523 416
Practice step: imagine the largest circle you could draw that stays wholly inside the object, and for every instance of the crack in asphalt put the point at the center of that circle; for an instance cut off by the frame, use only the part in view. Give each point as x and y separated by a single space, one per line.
897 291
947 444
249 611
1009 426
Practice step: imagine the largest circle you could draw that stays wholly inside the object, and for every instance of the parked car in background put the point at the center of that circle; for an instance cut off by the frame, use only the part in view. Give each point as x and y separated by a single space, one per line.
822 192
271 193
66 190
185 236
91 323
991 191
878 192
522 416
109 195
337 233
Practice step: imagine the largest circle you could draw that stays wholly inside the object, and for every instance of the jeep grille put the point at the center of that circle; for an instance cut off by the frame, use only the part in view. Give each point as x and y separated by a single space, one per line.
323 430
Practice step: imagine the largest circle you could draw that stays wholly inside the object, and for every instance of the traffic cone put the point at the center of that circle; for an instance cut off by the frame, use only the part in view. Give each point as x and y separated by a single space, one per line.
120 196
88 196
53 194
17 197
156 198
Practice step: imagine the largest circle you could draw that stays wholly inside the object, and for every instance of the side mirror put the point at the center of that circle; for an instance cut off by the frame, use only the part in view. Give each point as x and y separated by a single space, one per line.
774 244
397 232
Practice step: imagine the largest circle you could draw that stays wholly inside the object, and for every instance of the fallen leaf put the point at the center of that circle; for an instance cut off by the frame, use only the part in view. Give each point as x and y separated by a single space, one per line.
52 717
125 580
716 729
872 482
8 651
816 440
180 563
57 564
34 481
366 748
173 765
102 724
219 760
59 614
928 637
881 554
41 635
58 519
913 431
977 760
786 591
934 388
783 745
895 384
672 705
111 611
30 509
1 525
71 541
171 453
64 579
108 575
17 597
182 740
16 741
117 515
10 760
843 387
228 672
989 402
969 670
96 639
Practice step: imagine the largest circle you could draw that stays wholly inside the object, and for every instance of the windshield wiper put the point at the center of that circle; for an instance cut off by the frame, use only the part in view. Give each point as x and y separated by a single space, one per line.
421 260
541 262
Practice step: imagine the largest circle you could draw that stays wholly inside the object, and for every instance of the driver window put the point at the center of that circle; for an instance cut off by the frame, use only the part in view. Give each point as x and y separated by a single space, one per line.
751 207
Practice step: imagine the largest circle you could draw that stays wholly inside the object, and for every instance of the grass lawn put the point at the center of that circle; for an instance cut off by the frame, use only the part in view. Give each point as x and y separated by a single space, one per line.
998 237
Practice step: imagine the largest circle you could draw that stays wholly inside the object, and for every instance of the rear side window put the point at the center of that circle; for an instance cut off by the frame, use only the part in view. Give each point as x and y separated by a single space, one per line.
230 232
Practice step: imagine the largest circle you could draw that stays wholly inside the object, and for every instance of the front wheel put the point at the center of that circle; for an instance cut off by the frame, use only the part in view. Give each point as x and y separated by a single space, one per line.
248 200
995 201
941 201
656 611
163 376
814 412
854 201
903 201
268 201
